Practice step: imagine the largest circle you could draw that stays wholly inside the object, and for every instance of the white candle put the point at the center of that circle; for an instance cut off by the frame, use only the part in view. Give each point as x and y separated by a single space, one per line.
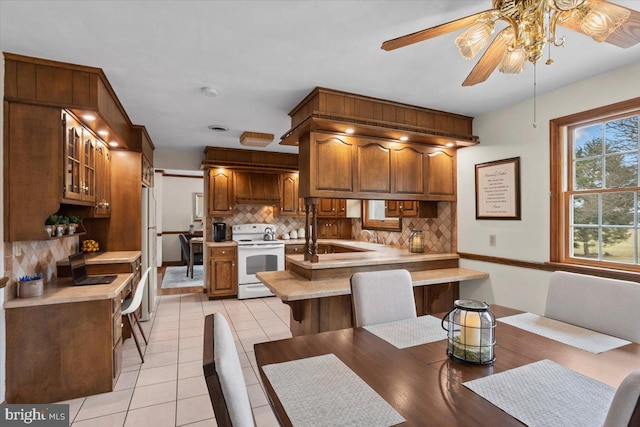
470 328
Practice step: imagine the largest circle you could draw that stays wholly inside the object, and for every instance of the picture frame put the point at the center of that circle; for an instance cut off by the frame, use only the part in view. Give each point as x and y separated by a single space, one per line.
498 189
198 206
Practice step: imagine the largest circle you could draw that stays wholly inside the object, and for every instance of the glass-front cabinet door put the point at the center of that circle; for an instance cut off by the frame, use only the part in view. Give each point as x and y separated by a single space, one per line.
73 158
89 168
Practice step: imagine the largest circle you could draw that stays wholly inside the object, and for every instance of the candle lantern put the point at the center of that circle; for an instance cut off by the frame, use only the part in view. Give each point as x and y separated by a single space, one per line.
470 328
416 241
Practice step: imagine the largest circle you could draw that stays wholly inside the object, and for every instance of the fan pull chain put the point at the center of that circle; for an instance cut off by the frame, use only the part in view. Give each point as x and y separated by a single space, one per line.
535 121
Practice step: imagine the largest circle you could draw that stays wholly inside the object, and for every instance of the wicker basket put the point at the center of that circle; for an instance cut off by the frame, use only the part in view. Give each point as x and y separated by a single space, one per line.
31 288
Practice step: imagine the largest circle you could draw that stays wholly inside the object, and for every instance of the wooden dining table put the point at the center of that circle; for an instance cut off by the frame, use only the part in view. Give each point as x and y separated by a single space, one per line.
425 386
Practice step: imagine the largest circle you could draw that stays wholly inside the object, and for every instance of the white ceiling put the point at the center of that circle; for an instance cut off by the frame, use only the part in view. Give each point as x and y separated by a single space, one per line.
264 57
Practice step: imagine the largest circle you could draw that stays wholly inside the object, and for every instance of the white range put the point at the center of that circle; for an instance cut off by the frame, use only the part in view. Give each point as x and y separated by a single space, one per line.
258 250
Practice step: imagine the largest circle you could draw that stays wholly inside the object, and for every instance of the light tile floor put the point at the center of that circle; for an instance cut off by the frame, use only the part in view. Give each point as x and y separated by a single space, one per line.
168 389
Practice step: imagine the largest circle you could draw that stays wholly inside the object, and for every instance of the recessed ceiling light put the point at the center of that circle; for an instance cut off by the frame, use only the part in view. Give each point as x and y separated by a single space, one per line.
450 144
103 132
349 131
218 128
89 117
209 91
113 144
404 138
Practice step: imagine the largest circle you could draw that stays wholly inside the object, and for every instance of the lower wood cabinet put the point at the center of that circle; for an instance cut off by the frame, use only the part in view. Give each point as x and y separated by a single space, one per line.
334 228
57 352
223 272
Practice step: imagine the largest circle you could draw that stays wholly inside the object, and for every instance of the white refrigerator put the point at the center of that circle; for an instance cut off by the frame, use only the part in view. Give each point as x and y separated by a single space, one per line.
149 253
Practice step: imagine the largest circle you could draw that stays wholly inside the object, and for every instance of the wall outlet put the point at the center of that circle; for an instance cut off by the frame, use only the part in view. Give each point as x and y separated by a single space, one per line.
492 239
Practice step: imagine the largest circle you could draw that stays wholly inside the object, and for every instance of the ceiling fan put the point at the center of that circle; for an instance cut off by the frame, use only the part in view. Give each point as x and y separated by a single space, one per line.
531 25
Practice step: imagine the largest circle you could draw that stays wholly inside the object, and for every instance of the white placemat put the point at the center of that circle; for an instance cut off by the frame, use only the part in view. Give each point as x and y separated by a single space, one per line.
323 391
575 336
547 394
410 332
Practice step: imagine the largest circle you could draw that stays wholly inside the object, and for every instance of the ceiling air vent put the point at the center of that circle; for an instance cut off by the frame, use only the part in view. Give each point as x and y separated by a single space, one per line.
256 139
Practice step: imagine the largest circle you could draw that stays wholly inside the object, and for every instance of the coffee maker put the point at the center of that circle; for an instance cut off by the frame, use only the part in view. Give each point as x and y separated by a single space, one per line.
219 231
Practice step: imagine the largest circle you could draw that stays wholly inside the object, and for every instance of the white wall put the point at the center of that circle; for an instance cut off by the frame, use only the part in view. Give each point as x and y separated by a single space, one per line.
509 133
188 160
177 202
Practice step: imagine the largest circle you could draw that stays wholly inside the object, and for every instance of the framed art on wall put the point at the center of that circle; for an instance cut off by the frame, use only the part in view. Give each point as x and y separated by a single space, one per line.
498 189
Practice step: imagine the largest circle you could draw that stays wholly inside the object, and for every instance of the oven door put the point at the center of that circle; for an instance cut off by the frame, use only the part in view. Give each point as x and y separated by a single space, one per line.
253 259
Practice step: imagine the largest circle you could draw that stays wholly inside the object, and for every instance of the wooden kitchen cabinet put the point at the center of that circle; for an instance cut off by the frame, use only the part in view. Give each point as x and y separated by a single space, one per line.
223 272
339 166
103 181
220 194
79 175
290 203
410 209
442 175
334 229
256 187
332 208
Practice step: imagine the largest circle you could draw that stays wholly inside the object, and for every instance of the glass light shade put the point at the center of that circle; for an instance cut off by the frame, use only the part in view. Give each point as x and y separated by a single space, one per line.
567 4
474 39
513 61
602 20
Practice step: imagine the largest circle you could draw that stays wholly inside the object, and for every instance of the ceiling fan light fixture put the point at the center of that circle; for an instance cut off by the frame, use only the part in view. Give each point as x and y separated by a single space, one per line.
474 39
513 61
602 19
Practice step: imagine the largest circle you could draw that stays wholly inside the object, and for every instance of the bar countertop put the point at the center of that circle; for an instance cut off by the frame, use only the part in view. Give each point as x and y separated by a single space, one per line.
62 291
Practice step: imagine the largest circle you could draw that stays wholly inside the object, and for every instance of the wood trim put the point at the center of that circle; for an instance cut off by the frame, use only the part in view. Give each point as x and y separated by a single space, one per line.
172 175
559 200
176 232
555 266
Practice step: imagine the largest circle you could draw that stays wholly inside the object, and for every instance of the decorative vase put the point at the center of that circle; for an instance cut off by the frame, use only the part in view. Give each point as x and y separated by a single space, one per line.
30 288
72 228
59 230
49 229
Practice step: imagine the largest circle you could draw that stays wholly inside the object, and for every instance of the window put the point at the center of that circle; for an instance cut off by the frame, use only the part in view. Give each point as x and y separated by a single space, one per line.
595 166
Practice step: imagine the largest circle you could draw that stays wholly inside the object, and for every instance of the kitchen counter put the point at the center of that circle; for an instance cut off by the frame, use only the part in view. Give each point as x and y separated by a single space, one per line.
289 286
319 294
226 243
63 291
112 257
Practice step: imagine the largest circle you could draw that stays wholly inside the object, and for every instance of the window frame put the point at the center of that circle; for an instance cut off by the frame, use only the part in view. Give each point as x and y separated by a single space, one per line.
561 166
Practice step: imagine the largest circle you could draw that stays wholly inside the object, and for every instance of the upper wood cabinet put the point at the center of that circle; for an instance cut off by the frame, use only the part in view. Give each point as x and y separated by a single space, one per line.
80 162
141 142
332 208
442 175
220 200
341 166
256 187
78 88
290 203
103 181
410 209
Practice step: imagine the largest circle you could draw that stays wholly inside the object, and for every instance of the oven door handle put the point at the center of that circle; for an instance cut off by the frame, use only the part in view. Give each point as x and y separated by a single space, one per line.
260 247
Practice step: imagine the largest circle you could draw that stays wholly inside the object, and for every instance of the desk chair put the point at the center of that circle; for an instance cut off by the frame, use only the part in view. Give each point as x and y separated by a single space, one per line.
382 296
603 305
625 407
129 307
223 374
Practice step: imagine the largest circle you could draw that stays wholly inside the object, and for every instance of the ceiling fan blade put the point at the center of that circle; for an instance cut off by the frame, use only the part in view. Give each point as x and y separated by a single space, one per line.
627 35
432 32
489 61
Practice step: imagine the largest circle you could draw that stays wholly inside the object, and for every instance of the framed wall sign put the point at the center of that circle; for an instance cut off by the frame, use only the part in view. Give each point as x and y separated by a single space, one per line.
498 189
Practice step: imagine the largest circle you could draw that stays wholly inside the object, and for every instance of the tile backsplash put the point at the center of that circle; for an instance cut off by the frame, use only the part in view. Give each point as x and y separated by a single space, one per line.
440 233
35 257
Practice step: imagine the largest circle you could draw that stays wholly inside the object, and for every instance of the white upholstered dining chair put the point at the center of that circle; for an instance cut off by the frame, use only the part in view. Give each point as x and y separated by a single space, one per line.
382 296
625 407
604 305
223 374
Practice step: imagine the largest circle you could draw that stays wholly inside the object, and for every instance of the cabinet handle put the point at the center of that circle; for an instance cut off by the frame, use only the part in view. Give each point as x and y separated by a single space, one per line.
224 252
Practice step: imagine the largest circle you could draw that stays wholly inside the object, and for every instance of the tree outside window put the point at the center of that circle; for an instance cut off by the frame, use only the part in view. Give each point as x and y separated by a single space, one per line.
603 190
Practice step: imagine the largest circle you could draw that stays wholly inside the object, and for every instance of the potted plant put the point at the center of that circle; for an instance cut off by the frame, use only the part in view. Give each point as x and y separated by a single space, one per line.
30 286
50 225
74 222
61 227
